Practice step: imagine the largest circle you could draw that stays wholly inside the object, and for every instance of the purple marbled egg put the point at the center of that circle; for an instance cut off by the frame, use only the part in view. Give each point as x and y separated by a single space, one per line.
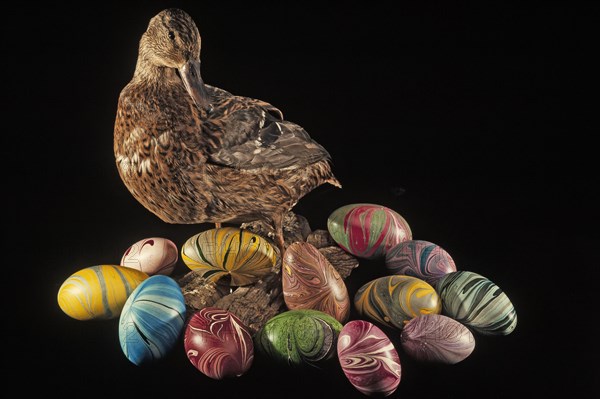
368 358
218 344
437 338
421 259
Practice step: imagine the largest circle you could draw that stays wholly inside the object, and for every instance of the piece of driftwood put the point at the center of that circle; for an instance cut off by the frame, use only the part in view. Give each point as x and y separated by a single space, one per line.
256 304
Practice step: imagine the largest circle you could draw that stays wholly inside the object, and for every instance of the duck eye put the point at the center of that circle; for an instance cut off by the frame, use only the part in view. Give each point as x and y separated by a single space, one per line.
171 35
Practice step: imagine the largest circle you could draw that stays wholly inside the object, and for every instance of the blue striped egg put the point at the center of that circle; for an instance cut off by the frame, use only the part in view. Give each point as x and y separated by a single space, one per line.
152 320
477 302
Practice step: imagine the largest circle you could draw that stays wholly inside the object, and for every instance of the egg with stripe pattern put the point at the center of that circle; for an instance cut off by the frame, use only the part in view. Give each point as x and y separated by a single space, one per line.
394 300
152 320
477 302
230 254
367 230
218 344
368 358
421 259
98 292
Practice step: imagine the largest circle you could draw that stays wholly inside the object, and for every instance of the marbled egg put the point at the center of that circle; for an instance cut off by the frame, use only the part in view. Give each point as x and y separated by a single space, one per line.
311 282
421 259
368 358
98 292
477 302
299 338
152 320
241 255
218 343
155 255
367 230
437 338
393 300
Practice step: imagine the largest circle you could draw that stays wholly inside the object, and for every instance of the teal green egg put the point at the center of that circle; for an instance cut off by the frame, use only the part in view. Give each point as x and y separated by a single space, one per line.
477 302
301 337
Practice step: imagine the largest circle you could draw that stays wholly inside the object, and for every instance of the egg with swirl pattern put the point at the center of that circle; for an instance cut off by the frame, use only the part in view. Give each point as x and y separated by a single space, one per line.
436 338
394 300
154 255
299 338
218 344
309 281
421 259
368 358
152 320
229 255
367 231
98 292
477 302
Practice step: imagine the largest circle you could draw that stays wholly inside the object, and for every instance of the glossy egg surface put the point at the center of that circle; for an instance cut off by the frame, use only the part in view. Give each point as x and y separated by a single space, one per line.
311 282
238 254
393 300
98 292
152 320
367 230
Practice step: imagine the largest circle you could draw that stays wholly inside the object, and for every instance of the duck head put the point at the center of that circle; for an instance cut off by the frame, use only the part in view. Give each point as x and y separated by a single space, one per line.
172 41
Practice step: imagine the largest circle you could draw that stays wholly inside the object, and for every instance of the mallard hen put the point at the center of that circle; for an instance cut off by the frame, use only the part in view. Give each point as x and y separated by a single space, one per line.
193 153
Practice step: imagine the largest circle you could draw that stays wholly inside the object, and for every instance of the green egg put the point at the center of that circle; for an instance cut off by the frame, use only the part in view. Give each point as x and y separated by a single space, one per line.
299 338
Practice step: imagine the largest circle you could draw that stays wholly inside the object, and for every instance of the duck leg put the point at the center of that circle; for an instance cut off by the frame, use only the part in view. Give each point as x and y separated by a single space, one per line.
278 226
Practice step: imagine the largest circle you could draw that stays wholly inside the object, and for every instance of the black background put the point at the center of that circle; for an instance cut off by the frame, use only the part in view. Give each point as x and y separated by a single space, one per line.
473 122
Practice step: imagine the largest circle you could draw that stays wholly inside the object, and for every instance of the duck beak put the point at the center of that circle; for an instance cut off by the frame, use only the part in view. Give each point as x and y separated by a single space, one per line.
190 74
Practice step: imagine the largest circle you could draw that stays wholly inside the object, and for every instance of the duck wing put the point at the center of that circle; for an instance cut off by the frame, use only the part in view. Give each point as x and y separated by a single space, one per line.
252 134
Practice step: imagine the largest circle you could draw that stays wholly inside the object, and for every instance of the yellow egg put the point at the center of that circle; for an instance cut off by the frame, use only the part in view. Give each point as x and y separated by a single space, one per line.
98 292
231 252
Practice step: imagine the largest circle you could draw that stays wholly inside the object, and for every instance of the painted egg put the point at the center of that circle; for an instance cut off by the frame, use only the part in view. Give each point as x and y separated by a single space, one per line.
311 282
477 302
367 230
152 320
299 338
368 358
421 259
437 338
239 254
152 256
98 292
394 300
218 343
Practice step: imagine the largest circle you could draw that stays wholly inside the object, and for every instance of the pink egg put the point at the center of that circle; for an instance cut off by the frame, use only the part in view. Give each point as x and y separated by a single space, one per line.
218 344
153 255
368 358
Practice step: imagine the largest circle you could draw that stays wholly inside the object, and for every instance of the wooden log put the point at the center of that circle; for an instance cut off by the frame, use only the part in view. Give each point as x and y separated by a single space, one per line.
257 303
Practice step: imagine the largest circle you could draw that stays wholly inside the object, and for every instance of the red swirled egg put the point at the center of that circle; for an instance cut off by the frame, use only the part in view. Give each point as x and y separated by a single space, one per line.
368 358
218 343
310 282
367 231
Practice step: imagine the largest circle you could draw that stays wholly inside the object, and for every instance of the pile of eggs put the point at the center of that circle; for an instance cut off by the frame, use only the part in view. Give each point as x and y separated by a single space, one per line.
434 307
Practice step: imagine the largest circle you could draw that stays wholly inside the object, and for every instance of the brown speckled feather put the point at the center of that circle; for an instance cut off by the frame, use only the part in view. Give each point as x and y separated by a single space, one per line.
193 153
